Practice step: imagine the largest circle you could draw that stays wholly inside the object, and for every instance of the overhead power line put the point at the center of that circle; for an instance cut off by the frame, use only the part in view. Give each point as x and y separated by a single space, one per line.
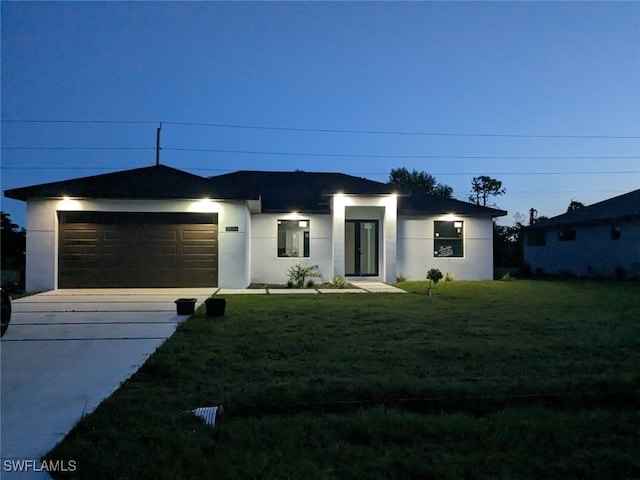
327 130
442 174
352 155
343 155
114 122
77 148
387 132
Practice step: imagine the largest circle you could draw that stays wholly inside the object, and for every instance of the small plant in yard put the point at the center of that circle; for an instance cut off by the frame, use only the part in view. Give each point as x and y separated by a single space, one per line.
434 275
506 277
401 278
299 276
448 277
339 281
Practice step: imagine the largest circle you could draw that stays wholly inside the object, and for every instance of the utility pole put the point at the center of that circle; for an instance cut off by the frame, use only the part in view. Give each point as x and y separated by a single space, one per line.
158 144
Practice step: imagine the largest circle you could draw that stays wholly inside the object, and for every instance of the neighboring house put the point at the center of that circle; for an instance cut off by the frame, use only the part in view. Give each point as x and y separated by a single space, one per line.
600 240
162 227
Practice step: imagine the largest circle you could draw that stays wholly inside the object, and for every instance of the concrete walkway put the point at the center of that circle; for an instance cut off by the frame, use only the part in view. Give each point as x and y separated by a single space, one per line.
362 287
67 350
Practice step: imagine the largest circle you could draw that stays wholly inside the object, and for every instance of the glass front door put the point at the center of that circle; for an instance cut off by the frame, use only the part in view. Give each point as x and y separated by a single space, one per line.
361 248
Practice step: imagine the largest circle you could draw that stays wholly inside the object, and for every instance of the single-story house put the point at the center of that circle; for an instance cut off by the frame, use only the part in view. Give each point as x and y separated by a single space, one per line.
600 240
162 227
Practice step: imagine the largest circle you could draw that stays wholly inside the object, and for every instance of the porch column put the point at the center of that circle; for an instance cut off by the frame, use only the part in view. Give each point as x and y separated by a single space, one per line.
337 233
390 237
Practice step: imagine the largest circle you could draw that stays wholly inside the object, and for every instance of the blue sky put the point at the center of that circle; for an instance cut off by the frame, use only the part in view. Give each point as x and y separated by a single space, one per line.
510 81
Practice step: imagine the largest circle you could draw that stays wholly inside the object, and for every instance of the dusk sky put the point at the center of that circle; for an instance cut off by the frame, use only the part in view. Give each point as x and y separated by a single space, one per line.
544 96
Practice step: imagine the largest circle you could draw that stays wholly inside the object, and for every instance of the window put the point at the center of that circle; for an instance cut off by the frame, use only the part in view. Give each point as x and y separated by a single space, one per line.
566 235
448 241
293 238
536 239
615 233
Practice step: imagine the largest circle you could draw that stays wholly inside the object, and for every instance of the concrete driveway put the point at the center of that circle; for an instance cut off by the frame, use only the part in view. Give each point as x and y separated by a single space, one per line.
66 351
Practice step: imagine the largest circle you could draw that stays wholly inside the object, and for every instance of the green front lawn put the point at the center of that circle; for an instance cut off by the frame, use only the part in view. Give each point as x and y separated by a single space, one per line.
517 379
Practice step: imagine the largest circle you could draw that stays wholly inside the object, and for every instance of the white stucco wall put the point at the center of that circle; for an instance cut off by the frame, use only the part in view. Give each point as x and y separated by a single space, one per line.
592 253
250 254
42 234
383 208
326 239
233 247
42 243
267 267
416 248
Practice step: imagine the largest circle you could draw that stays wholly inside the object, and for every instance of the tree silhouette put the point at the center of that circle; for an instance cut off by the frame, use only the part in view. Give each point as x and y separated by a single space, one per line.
420 181
483 187
574 205
13 241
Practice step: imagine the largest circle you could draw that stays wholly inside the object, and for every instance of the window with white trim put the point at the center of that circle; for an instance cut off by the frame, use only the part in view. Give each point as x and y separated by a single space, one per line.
448 239
293 238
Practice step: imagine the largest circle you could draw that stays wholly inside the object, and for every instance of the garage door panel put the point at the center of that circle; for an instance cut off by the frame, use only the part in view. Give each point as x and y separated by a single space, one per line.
160 277
199 264
80 249
199 249
202 235
82 260
155 250
160 235
81 235
82 277
115 235
137 250
162 261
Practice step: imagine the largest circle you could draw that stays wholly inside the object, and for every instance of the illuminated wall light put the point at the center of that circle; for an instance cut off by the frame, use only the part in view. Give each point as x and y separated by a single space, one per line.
204 205
67 203
293 216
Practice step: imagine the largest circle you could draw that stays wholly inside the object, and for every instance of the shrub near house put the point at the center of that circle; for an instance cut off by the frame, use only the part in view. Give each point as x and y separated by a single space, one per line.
13 246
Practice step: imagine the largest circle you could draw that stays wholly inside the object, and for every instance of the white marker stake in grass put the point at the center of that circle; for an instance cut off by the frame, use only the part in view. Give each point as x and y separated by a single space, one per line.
207 414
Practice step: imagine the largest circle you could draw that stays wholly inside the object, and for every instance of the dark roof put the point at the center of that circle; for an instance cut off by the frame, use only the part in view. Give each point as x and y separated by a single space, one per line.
309 192
279 191
156 182
295 191
622 207
419 203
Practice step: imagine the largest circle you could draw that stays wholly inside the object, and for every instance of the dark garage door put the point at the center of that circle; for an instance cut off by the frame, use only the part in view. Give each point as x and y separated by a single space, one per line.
134 250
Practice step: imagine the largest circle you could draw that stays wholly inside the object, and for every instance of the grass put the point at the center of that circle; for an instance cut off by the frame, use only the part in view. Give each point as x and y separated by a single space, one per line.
517 379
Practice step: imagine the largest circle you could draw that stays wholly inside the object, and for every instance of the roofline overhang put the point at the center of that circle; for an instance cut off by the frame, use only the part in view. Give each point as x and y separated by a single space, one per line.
389 194
453 212
62 196
138 199
596 221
